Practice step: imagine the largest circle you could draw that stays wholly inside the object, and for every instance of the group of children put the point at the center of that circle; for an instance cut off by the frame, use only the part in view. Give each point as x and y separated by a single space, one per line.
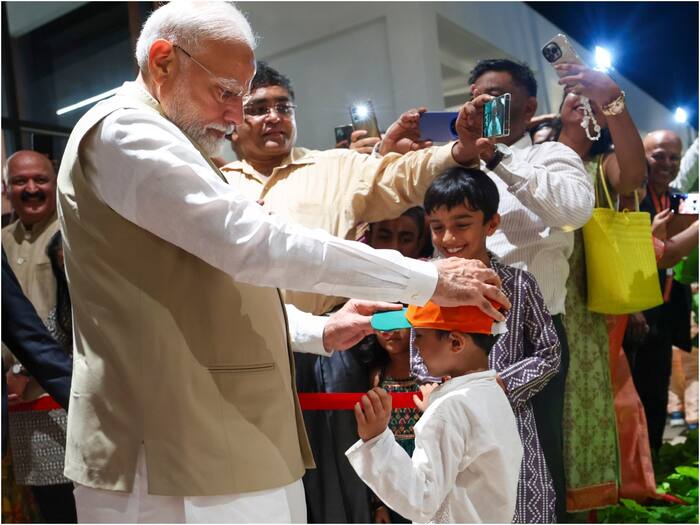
476 456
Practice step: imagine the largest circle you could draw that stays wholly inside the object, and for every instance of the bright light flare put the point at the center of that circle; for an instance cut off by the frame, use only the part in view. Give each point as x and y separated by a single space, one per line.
361 111
681 116
603 59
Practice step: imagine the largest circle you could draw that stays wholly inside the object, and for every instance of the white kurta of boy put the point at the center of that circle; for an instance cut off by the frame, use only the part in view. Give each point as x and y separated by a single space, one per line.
466 463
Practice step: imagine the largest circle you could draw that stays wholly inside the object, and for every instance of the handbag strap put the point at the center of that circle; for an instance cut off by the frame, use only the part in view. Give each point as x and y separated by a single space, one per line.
604 183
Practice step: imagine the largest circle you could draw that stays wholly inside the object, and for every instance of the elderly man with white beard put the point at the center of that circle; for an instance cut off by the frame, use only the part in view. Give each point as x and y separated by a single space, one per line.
183 406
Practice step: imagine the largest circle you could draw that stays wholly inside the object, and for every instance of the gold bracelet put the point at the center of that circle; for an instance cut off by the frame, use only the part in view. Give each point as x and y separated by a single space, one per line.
615 107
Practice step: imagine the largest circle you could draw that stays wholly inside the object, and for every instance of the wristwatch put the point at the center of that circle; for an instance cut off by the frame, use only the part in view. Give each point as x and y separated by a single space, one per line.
18 370
615 107
499 152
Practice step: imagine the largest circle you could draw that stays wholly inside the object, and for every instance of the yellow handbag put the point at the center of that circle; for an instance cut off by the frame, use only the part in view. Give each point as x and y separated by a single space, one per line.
621 267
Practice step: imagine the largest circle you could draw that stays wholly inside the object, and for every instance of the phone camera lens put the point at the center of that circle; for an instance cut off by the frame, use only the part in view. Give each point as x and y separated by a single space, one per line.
551 52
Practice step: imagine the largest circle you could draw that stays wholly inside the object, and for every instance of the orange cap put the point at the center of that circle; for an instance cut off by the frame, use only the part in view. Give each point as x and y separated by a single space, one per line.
467 319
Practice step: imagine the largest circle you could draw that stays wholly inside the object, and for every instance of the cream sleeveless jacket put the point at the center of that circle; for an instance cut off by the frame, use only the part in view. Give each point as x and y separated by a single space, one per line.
170 353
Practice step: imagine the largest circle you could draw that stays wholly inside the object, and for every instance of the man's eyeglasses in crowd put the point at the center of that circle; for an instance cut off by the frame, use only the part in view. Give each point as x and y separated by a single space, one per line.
283 109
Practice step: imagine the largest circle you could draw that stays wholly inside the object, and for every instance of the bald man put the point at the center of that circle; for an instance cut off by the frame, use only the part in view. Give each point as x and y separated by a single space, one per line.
37 442
663 149
668 323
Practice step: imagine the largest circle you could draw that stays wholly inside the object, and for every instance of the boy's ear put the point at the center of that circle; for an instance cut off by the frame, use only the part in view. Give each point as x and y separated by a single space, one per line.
493 224
457 342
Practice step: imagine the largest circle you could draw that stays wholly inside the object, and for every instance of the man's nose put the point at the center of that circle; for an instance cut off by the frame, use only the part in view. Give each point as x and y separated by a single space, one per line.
32 186
233 114
272 115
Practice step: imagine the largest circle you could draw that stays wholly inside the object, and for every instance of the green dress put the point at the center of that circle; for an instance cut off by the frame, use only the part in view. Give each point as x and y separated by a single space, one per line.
402 419
590 434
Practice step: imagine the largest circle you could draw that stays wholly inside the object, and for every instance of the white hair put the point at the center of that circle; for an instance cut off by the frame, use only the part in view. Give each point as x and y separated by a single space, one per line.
188 23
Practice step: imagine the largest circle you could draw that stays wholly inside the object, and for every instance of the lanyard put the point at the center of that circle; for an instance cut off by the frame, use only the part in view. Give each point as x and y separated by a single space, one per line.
659 204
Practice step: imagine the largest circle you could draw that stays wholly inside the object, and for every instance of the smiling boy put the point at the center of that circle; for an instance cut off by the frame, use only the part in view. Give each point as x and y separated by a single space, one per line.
462 207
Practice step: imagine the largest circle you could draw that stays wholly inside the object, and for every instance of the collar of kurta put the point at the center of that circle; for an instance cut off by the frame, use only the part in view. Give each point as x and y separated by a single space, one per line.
297 157
138 92
20 230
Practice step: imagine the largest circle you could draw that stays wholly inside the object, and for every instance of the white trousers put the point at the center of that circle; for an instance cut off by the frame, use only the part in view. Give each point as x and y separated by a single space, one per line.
281 505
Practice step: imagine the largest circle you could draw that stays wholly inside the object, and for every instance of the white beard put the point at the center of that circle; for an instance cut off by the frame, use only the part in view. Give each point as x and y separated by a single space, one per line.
185 117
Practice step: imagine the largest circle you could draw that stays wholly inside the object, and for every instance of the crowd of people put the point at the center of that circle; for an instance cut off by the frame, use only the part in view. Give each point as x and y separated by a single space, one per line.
180 303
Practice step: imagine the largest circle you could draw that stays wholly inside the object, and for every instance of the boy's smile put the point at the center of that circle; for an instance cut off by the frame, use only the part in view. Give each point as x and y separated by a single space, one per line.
461 232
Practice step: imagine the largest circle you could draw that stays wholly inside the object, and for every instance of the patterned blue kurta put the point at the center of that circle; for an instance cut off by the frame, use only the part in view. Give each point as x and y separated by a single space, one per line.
526 358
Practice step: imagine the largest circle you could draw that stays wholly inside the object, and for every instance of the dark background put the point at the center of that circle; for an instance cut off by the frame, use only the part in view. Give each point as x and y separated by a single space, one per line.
654 44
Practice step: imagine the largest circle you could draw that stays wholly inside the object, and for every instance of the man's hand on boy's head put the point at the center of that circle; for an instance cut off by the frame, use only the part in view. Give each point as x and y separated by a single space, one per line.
469 282
373 413
471 145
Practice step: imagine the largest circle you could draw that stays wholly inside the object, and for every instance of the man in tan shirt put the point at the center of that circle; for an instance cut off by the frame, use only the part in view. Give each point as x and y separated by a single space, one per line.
336 190
31 187
37 436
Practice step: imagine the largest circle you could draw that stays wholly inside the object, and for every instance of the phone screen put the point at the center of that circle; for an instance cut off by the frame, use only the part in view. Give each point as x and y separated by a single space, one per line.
363 117
685 204
496 117
342 136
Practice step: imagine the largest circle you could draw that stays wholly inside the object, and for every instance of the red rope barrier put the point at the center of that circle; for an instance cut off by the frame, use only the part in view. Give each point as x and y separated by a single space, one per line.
347 400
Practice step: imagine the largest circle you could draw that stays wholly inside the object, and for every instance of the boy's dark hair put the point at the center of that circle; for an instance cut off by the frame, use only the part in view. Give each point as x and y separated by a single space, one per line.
521 73
266 76
484 341
468 186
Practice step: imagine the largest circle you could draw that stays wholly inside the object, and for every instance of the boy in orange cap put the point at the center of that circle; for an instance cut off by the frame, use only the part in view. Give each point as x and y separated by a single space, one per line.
466 463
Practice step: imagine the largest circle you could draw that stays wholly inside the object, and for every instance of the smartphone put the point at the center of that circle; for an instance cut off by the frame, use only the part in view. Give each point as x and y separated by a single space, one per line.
496 117
560 51
438 126
362 116
342 134
685 203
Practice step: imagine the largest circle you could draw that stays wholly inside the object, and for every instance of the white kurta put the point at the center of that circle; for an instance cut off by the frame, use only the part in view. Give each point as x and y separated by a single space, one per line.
466 463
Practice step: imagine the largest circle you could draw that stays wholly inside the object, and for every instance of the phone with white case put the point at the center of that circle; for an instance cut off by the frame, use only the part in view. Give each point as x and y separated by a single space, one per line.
560 51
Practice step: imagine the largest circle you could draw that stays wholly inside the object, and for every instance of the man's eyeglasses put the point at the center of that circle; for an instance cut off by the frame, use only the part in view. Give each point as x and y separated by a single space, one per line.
228 89
283 109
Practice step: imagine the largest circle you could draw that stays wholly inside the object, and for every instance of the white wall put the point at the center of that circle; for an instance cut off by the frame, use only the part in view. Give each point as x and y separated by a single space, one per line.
338 52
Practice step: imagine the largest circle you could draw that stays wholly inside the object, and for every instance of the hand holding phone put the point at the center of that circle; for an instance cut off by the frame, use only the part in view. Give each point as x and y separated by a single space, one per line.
404 134
469 125
560 51
342 136
363 117
438 126
685 203
496 117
